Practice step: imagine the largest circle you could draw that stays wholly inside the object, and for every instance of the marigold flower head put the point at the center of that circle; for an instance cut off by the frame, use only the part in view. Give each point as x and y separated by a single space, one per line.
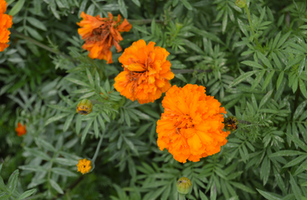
84 107
3 6
20 129
191 126
183 185
5 23
146 72
100 34
84 166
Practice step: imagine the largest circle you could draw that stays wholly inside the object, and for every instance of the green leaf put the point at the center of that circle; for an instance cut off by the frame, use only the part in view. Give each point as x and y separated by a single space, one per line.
295 189
296 161
242 187
45 144
36 23
268 79
286 153
38 153
269 195
63 172
90 77
283 39
56 118
187 4
34 33
242 77
26 194
298 142
56 186
33 168
78 124
13 180
77 81
264 60
85 131
299 110
137 2
17 7
122 8
68 122
279 80
258 79
265 98
252 64
303 88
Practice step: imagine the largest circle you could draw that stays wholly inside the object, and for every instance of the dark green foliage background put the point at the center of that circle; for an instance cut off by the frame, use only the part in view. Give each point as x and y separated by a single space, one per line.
255 66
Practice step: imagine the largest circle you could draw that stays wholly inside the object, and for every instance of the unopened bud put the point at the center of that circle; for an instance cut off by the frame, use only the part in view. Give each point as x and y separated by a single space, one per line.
183 185
231 123
84 107
240 3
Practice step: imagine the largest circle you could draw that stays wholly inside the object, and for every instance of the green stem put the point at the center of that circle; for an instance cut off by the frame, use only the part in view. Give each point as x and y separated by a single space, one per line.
142 21
13 31
181 197
187 71
250 24
97 149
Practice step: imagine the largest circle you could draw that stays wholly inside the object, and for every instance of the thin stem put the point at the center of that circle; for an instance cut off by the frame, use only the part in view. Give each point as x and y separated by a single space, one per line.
97 149
187 71
142 21
181 197
40 44
250 24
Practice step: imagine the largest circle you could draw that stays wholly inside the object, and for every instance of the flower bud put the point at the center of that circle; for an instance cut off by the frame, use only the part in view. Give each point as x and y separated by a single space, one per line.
240 3
183 185
84 107
84 166
231 123
20 129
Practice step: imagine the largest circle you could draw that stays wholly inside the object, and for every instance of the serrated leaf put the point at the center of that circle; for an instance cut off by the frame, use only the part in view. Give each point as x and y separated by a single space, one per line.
45 144
36 23
90 77
286 153
279 80
283 39
252 64
299 110
242 187
122 8
85 131
265 98
303 88
68 122
78 82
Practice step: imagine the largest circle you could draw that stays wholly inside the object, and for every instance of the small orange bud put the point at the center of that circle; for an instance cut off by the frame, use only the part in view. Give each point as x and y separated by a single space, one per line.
84 166
20 129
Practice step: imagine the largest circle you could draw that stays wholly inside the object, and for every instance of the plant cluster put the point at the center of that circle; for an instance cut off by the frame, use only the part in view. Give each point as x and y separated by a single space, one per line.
92 92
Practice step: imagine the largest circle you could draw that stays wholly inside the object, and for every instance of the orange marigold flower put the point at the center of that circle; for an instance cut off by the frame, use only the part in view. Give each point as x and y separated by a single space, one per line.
5 23
100 34
146 72
20 129
84 166
3 5
191 126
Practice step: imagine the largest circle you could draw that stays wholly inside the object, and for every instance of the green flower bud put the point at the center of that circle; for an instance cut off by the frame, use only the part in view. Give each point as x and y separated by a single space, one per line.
84 107
183 185
240 3
231 123
179 25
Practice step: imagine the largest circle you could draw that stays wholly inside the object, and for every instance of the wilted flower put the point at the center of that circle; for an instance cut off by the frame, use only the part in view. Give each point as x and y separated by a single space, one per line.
84 166
146 72
84 107
5 23
100 34
231 123
183 185
191 126
20 129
